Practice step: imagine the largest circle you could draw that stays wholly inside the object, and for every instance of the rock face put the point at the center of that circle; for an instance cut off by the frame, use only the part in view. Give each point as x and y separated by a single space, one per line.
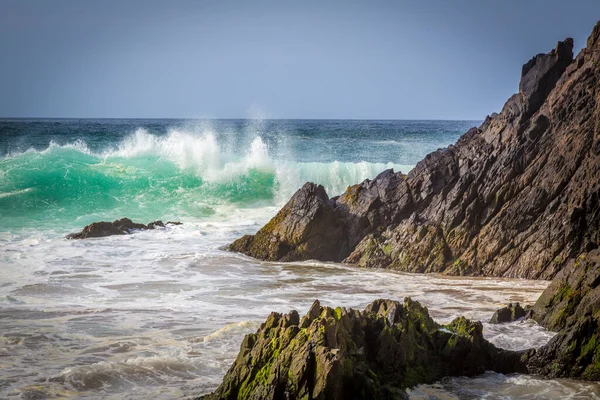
571 306
306 227
346 354
510 313
121 226
518 196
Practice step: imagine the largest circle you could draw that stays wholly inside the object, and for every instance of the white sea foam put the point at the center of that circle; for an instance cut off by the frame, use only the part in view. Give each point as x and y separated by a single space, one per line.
15 192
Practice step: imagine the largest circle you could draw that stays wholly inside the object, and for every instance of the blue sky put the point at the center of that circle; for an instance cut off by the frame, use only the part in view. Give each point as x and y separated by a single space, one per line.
433 59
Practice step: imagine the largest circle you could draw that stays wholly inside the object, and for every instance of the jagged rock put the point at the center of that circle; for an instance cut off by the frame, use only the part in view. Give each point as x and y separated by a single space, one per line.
541 73
516 197
305 228
347 354
121 226
373 204
510 313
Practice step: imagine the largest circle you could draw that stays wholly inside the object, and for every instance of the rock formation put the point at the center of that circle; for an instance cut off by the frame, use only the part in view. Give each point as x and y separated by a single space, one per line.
121 226
306 227
516 197
346 354
510 313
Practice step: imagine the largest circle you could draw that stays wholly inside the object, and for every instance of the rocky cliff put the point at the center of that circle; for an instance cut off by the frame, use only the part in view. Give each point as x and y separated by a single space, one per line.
516 197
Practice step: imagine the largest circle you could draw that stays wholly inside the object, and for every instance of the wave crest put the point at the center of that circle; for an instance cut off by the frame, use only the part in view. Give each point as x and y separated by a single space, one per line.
146 176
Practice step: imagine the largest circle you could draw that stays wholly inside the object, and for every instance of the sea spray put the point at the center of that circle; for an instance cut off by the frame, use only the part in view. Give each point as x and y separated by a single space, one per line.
147 177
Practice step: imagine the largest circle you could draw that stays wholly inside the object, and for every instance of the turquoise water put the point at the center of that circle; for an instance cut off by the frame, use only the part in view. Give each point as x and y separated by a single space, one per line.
69 173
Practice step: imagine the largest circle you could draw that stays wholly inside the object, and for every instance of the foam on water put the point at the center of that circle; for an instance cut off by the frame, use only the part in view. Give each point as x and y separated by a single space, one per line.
164 312
493 386
145 176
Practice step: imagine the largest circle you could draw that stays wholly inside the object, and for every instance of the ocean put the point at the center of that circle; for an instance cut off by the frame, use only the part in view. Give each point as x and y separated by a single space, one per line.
162 313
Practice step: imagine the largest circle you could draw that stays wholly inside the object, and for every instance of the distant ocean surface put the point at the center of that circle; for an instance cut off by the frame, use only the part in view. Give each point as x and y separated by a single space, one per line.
162 313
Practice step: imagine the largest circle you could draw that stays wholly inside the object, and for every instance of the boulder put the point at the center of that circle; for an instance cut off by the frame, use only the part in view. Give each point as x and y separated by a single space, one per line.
305 228
348 354
510 313
121 226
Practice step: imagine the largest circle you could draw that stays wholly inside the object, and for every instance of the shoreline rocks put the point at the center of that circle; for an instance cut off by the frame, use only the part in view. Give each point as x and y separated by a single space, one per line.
123 226
306 227
390 346
516 197
348 354
511 313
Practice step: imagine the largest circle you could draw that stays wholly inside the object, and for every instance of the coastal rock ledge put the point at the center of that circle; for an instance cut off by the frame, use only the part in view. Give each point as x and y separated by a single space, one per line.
390 346
347 354
519 196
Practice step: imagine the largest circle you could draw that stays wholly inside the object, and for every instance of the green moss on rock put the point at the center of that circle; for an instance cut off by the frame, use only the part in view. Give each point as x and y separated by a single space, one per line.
343 353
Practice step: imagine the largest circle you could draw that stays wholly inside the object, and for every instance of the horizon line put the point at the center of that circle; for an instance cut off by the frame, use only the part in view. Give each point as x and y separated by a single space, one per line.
237 119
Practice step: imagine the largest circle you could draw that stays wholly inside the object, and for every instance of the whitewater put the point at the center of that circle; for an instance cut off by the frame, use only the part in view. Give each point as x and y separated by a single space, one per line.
162 313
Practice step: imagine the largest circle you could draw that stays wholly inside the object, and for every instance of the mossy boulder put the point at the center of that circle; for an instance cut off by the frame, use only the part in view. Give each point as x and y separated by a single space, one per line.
572 295
348 354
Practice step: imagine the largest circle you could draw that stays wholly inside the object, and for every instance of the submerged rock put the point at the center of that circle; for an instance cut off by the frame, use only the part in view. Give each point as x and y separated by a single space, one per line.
516 197
510 313
347 354
121 226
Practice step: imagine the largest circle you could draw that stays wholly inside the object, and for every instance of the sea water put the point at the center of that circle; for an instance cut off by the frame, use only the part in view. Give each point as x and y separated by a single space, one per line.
162 313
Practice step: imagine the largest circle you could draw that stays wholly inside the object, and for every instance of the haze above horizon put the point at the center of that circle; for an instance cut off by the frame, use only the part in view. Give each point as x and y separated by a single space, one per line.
383 60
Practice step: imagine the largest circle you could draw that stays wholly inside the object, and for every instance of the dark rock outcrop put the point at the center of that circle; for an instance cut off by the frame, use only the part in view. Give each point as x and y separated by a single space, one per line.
306 227
347 354
510 313
516 197
121 226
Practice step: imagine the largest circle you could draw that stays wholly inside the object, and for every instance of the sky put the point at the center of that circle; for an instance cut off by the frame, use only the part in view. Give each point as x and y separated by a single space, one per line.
428 59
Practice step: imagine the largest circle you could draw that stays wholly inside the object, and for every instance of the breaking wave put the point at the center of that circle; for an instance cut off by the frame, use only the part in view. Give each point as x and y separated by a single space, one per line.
146 176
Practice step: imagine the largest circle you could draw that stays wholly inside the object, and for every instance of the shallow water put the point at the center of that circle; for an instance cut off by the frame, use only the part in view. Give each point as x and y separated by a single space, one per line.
162 313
